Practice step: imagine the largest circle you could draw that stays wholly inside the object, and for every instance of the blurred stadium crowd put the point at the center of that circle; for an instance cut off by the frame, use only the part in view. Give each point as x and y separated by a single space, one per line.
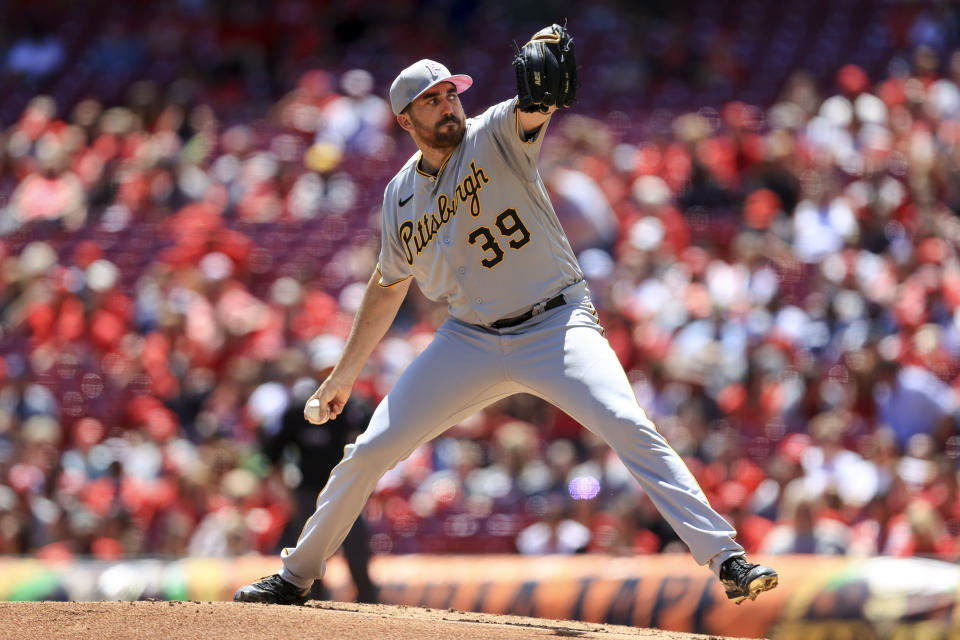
764 202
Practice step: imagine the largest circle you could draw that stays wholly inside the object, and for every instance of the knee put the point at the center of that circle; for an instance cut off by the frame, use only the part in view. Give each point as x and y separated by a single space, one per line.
638 428
633 419
645 427
374 453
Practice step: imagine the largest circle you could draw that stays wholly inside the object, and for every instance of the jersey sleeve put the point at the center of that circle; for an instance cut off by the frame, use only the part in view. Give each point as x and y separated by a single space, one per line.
520 152
392 266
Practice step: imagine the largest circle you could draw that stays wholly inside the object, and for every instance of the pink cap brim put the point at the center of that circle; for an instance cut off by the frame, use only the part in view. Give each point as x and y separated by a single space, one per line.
461 81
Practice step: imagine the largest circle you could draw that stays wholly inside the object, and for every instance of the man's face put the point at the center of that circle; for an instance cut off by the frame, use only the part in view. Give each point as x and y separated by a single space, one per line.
438 118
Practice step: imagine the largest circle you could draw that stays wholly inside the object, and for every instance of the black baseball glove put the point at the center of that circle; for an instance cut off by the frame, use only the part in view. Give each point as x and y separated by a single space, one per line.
546 70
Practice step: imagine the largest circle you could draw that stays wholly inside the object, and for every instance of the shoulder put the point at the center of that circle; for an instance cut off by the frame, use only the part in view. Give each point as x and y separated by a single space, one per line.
495 113
404 176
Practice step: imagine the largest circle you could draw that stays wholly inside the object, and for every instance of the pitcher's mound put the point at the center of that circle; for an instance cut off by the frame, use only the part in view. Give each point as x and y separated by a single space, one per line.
328 620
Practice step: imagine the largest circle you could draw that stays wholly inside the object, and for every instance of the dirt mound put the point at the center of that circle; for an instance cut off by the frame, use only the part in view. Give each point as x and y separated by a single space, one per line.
328 620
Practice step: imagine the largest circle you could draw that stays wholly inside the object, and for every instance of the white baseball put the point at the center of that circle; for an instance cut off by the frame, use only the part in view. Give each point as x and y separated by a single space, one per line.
313 412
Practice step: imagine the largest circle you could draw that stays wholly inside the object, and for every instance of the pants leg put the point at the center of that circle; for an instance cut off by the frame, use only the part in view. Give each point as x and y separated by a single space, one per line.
566 360
305 499
458 374
356 550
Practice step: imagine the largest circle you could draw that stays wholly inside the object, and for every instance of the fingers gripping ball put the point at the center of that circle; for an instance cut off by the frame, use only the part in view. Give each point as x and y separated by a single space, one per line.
314 413
546 70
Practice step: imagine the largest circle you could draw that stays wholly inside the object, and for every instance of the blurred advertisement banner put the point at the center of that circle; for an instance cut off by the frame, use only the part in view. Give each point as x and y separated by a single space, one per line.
819 597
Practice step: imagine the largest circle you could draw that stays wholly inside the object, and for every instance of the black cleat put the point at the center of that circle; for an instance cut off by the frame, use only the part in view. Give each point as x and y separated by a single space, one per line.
743 580
272 590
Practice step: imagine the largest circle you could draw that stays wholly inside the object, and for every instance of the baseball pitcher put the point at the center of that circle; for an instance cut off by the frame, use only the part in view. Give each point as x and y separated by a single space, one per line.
469 218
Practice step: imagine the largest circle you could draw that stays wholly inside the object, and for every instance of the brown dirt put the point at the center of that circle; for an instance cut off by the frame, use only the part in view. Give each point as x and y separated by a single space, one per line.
327 620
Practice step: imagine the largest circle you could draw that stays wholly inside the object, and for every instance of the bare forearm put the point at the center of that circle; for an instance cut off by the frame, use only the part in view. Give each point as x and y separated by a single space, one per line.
377 311
530 122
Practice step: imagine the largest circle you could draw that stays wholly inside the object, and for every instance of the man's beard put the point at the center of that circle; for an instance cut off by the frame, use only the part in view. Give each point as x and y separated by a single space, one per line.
441 136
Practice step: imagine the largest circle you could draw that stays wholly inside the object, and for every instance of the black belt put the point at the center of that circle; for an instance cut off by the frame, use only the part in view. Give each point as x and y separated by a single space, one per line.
540 307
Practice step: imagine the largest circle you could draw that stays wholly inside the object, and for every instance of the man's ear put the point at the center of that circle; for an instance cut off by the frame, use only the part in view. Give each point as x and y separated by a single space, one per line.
405 122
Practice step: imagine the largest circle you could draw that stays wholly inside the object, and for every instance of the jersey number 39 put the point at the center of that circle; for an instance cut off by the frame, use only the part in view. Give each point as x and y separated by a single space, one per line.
510 225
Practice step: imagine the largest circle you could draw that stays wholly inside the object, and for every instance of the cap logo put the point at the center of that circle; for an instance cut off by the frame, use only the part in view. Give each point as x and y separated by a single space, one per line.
434 70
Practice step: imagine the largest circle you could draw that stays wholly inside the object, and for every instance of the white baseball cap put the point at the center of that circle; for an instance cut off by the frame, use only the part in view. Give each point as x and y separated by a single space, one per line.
419 77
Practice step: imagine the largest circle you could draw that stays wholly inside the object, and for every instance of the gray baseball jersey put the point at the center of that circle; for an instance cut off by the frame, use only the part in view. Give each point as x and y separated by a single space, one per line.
481 234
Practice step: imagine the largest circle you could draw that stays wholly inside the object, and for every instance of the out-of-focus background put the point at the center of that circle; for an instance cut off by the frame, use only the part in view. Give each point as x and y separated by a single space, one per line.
764 197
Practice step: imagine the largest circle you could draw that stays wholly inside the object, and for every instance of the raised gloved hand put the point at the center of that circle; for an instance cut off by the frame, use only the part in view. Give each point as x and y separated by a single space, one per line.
546 70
